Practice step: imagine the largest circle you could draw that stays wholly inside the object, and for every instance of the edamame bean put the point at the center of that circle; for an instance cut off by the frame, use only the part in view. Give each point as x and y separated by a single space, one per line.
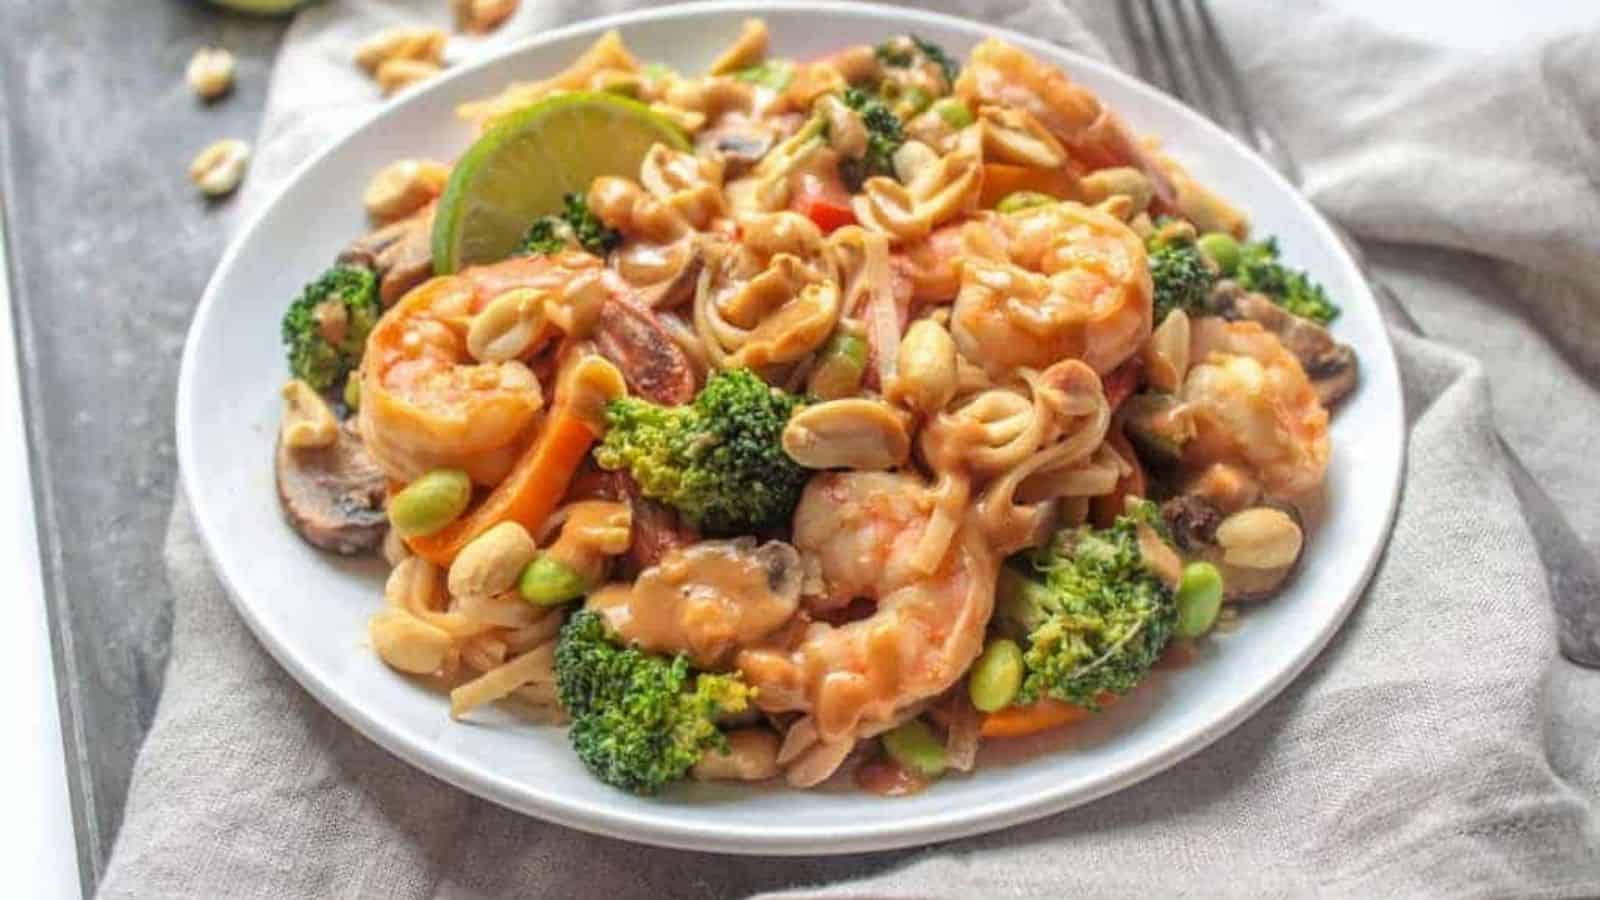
1016 201
915 100
1222 249
915 747
843 363
550 582
352 391
1199 599
996 676
431 502
953 112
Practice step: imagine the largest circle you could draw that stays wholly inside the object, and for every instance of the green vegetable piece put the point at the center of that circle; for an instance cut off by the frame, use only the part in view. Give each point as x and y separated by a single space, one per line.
915 747
657 71
1094 619
997 676
550 582
577 226
953 112
885 135
718 460
431 502
1017 201
840 367
1199 599
1222 250
325 328
906 51
913 101
639 721
352 391
1259 270
1180 274
773 74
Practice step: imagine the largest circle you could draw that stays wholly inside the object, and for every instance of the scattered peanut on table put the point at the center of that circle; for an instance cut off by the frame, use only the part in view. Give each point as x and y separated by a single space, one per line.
402 43
395 74
219 168
210 72
482 16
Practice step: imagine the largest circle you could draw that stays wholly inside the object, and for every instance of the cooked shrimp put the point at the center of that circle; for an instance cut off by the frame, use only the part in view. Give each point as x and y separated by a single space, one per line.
1095 137
1254 408
851 679
1078 287
426 403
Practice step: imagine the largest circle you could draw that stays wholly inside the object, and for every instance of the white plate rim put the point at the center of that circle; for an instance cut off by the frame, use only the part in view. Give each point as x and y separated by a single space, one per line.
659 830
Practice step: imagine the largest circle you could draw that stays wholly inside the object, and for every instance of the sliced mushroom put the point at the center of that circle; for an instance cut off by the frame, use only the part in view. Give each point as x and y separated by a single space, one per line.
401 254
333 496
1194 522
678 288
742 144
657 529
1330 365
655 366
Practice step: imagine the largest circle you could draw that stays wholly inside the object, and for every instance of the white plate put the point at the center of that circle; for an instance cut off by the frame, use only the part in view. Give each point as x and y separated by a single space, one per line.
310 609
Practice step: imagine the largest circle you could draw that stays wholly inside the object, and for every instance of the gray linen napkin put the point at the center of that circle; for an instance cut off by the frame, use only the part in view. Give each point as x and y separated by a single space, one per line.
1436 748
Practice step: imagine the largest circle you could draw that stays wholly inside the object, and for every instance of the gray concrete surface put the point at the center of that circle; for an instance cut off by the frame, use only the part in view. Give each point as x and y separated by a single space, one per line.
110 247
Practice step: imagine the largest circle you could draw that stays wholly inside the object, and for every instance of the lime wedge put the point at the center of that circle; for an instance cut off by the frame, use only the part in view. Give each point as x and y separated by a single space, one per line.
525 163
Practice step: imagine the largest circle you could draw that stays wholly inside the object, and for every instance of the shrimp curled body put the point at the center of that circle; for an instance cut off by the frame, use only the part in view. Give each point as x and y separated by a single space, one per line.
1254 408
427 403
853 680
1078 287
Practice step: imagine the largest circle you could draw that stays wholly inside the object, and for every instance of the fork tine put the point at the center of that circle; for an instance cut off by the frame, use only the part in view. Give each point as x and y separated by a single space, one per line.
1204 92
1166 74
1143 62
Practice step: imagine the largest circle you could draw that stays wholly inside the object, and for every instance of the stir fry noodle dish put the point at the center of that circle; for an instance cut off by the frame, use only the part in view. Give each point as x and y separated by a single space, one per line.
805 419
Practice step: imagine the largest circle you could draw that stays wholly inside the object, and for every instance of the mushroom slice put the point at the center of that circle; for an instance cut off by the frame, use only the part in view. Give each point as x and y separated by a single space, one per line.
656 368
333 495
677 288
400 253
1331 366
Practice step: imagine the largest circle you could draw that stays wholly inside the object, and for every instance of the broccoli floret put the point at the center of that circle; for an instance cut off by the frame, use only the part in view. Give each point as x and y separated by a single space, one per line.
1180 273
1092 615
904 52
325 328
718 460
772 74
577 226
639 721
884 137
1259 270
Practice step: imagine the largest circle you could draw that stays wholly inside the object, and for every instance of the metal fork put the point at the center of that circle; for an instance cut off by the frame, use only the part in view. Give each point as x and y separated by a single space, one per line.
1178 48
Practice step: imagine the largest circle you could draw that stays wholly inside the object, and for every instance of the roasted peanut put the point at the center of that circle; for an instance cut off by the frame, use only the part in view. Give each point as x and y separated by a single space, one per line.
307 421
395 74
927 377
1125 180
1259 538
491 563
482 16
1167 352
417 44
508 326
210 72
1013 135
853 433
749 48
407 643
403 187
219 168
395 550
